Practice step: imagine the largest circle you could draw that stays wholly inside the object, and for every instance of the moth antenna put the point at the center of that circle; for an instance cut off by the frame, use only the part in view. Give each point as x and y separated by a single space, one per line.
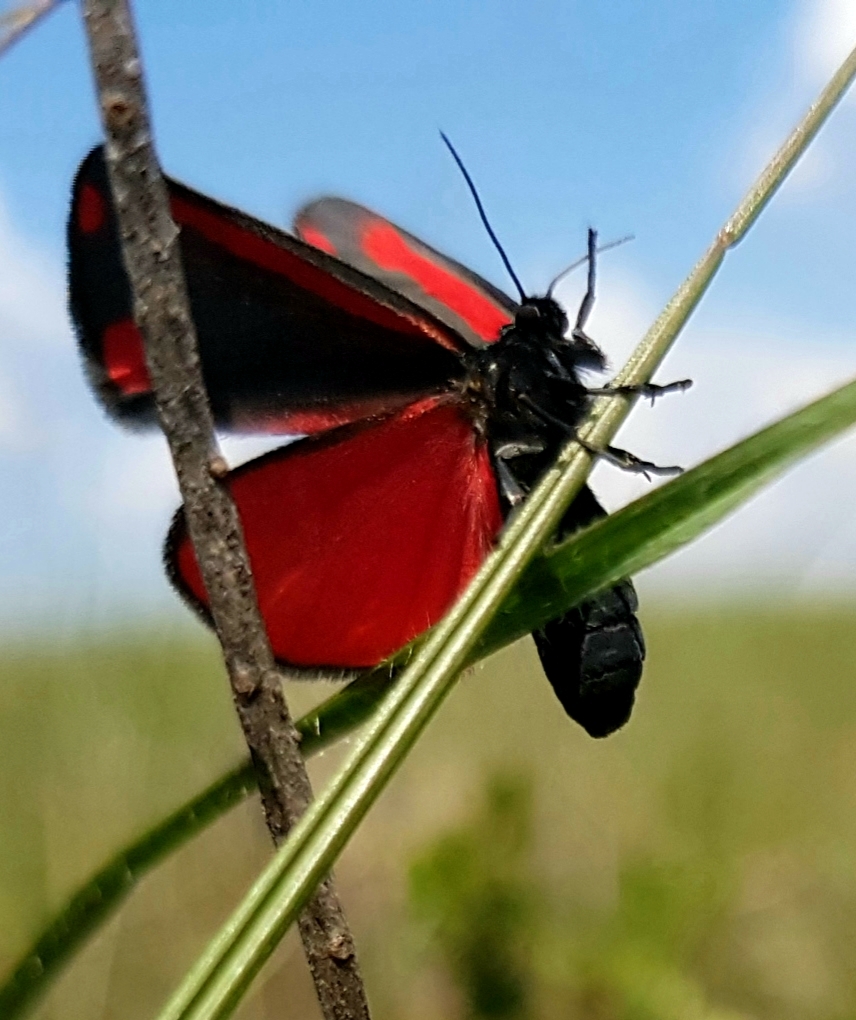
588 299
582 261
483 216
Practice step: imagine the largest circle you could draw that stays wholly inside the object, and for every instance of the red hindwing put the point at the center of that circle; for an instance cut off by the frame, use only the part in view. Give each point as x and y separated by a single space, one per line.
361 539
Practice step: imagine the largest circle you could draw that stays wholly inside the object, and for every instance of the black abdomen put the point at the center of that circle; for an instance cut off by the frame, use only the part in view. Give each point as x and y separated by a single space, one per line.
593 654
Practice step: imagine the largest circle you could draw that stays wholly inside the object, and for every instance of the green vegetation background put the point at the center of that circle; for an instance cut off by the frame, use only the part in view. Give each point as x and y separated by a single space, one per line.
700 864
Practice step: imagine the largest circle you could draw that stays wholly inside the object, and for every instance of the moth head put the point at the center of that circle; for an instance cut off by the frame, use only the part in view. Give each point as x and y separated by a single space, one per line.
542 315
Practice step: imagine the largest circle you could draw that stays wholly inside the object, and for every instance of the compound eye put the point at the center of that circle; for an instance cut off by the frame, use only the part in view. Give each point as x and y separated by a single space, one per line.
527 314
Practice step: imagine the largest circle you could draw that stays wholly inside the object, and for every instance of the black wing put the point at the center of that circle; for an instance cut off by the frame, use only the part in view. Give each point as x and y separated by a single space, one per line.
291 338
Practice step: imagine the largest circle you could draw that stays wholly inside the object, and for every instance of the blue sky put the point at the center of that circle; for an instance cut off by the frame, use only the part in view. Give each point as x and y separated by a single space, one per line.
637 118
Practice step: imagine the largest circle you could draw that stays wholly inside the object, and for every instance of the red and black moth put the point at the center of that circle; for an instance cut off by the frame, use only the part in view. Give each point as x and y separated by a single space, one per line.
430 402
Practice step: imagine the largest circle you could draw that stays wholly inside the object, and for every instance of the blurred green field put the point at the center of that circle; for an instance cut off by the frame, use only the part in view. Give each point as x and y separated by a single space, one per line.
699 864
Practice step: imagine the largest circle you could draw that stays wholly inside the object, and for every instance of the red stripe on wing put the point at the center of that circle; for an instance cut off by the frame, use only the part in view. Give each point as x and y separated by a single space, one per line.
91 209
245 244
358 545
385 246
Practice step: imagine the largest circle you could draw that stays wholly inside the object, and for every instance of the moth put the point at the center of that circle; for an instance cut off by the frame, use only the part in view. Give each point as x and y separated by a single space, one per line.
429 402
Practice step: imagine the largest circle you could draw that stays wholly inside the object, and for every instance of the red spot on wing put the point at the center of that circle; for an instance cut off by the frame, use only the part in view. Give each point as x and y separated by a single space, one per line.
358 545
245 244
385 246
124 358
313 236
91 210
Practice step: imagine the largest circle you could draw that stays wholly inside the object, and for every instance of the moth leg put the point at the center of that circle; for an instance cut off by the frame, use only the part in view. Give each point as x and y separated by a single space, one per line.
649 391
511 448
620 458
559 371
629 461
545 415
510 487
